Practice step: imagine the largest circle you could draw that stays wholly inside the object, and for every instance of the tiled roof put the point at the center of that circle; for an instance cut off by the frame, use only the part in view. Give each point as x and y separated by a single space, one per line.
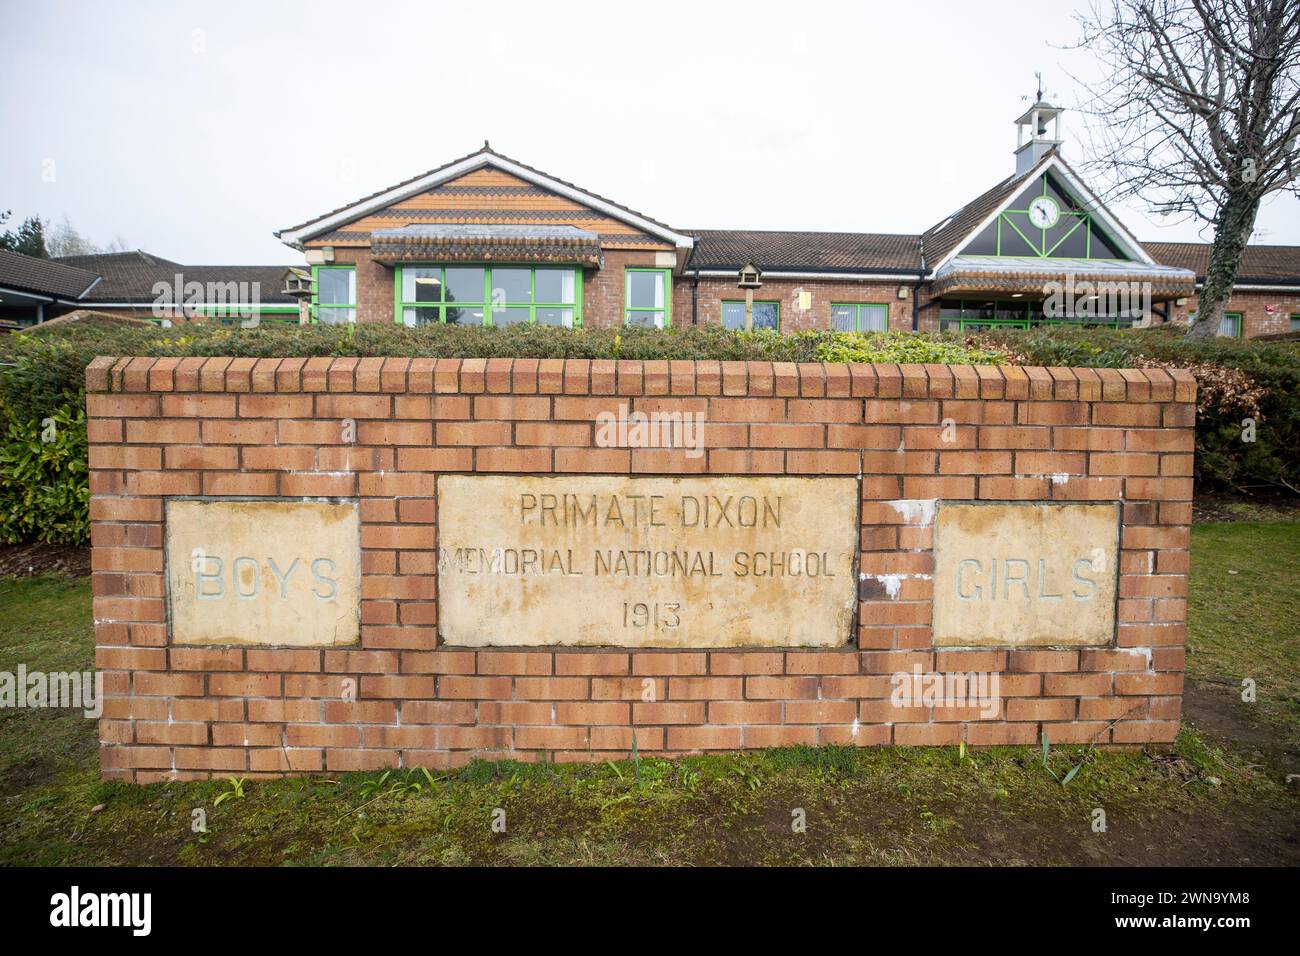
1262 265
804 251
44 276
1027 274
462 242
944 236
130 277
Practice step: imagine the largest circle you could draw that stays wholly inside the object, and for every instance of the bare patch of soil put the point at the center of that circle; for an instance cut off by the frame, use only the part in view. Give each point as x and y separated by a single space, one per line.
1215 708
29 560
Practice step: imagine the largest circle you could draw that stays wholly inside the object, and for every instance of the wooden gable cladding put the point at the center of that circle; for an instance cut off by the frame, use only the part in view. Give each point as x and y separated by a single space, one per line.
491 196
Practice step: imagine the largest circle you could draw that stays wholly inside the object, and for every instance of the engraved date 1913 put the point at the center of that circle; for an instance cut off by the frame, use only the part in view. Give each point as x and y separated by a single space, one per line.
655 617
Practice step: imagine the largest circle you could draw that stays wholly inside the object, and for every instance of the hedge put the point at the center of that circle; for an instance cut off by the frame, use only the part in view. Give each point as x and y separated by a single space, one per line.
1238 382
43 473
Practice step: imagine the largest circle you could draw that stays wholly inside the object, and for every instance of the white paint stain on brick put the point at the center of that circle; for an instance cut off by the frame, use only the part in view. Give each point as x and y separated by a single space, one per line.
893 582
1060 478
1142 652
916 511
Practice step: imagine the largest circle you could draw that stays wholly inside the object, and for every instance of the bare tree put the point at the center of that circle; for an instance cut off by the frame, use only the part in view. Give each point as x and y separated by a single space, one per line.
64 240
1199 116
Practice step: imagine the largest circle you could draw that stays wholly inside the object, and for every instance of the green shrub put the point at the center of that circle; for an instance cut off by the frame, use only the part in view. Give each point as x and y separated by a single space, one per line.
44 496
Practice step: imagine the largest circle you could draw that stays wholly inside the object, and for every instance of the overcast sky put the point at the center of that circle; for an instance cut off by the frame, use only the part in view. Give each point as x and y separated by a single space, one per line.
193 130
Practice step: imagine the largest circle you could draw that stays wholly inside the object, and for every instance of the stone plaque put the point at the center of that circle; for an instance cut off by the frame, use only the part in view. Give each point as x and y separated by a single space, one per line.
264 572
646 562
1025 574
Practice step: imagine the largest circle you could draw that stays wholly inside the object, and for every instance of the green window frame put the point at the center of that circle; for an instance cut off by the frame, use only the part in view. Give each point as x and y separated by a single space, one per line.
336 313
497 305
967 314
1235 318
1295 321
221 315
734 304
266 315
854 313
657 315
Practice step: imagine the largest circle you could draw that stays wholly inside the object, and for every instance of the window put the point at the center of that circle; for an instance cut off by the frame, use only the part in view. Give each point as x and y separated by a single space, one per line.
647 297
335 299
1295 322
860 318
966 314
1230 325
1044 222
767 315
488 295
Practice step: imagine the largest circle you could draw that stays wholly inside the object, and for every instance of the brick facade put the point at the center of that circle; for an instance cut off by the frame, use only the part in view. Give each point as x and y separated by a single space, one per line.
270 427
603 297
712 292
1253 306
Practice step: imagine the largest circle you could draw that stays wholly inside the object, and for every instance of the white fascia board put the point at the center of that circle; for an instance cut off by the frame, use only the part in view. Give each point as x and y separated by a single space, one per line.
1258 288
845 276
477 161
28 295
258 307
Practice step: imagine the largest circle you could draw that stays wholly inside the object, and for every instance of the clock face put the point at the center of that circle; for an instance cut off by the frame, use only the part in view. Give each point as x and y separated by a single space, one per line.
1044 212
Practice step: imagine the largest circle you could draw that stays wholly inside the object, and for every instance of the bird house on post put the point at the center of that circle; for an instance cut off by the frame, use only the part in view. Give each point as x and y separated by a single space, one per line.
750 279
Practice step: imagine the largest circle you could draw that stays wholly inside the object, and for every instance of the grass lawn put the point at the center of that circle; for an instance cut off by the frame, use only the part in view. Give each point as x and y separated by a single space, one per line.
1244 609
1216 799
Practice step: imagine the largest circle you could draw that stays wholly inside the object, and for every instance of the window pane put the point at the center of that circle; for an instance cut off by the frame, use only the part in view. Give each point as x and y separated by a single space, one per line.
465 315
327 316
421 285
512 285
464 285
1230 325
336 286
844 318
414 317
873 318
1013 242
645 290
503 317
1295 323
1075 245
649 319
765 315
733 315
562 317
986 243
555 285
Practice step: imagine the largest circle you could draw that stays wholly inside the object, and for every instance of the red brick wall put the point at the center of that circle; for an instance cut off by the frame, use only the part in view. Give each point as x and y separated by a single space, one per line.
713 291
270 427
1255 319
